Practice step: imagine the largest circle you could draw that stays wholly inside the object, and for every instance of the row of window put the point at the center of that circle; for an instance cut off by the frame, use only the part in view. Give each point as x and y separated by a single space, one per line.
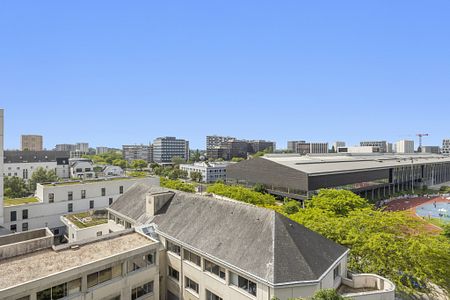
210 267
193 286
13 227
13 215
51 196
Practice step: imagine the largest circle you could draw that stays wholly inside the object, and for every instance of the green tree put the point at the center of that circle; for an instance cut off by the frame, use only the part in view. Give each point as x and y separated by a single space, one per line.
195 156
138 164
120 163
291 207
196 176
176 161
177 185
242 194
259 188
40 175
15 187
327 294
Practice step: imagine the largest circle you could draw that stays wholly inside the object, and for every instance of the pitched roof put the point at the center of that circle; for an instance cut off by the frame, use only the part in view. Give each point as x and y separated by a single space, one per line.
255 240
16 156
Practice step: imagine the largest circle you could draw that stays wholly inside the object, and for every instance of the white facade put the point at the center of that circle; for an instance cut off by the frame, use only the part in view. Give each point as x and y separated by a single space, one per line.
358 149
101 150
81 168
26 170
338 144
113 171
211 172
82 147
404 146
1 166
56 200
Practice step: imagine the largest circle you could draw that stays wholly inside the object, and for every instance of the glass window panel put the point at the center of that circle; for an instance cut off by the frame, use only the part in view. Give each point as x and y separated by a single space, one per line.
92 279
104 275
116 271
59 291
44 295
233 279
74 286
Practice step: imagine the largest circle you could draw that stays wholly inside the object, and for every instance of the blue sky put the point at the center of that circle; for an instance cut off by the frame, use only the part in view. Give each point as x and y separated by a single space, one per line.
116 72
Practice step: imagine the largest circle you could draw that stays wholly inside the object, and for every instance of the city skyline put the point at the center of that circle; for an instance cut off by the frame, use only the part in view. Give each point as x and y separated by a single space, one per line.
130 73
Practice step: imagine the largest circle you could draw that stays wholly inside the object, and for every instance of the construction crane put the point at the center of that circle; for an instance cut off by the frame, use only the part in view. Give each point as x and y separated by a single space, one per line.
421 135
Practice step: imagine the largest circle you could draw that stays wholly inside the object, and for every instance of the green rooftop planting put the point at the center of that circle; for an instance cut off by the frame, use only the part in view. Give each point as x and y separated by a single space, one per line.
19 201
88 219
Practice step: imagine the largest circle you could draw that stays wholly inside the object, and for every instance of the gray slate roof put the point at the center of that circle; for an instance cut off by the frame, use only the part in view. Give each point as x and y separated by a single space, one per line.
16 156
258 241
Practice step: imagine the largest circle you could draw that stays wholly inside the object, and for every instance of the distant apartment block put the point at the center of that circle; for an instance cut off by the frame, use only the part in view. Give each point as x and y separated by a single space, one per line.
211 172
446 146
166 148
214 141
135 152
292 145
404 146
311 148
82 147
101 150
337 145
431 149
23 164
358 149
65 147
238 148
384 146
31 143
261 145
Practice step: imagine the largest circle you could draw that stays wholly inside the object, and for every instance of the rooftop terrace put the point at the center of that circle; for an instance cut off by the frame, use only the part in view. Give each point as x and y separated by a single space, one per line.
43 263
88 218
19 201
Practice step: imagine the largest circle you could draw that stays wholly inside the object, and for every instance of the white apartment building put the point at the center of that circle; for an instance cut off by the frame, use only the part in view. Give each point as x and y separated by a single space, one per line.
384 146
54 200
135 152
337 145
211 172
311 148
120 266
358 149
23 164
404 146
101 150
431 149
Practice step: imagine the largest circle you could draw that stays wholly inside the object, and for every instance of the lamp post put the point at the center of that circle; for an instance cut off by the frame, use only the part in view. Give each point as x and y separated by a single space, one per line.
412 175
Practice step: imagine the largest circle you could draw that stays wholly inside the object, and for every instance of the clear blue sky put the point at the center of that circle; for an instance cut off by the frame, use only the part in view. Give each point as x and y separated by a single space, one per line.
116 72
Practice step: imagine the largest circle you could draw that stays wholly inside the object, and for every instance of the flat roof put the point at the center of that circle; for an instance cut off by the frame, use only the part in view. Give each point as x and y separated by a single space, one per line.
317 164
44 263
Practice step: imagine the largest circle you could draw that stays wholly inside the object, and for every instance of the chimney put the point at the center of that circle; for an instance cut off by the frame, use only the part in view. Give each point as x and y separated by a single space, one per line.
155 201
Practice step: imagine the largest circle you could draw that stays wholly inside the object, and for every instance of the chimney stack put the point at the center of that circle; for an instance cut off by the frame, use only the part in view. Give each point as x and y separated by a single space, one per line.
155 201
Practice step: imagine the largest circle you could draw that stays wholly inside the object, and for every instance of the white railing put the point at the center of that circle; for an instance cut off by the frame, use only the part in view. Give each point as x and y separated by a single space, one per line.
373 287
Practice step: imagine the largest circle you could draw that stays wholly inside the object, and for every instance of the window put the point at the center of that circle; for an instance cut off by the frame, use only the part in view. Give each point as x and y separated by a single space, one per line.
337 271
243 283
121 189
83 194
103 191
13 216
91 204
214 269
212 296
150 258
69 196
25 214
191 285
99 233
51 197
140 291
60 291
13 227
188 255
25 226
79 170
104 275
110 201
173 248
70 207
174 273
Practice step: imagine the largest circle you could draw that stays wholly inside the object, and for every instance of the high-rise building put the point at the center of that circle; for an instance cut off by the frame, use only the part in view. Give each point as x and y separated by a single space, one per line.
1 166
135 152
82 147
101 150
446 146
404 146
213 141
306 148
260 145
29 142
292 145
383 145
166 148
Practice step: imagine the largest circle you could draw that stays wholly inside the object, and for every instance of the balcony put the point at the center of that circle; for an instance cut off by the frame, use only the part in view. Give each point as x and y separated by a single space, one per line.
367 287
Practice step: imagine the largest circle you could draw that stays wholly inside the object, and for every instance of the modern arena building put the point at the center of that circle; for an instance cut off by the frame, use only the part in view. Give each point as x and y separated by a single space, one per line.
373 176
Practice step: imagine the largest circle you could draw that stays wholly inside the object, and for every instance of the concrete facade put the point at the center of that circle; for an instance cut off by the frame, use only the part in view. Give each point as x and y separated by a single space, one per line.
384 146
135 152
166 148
30 142
404 146
446 146
213 141
306 148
